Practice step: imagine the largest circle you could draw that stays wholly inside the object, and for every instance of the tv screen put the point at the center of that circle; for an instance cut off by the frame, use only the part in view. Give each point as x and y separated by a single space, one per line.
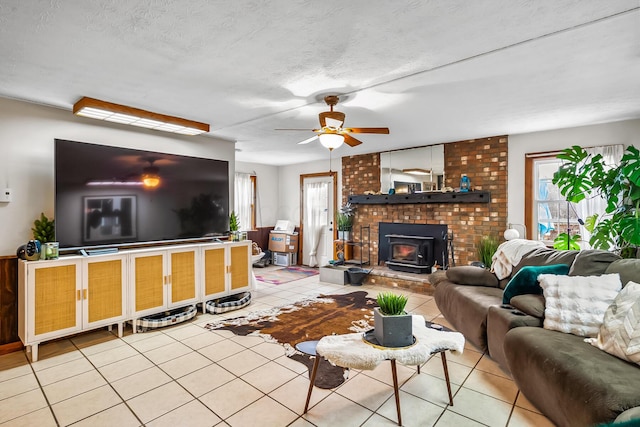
110 195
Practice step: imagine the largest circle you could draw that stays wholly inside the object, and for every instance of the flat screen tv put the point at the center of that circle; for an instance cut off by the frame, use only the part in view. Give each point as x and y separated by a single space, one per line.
107 196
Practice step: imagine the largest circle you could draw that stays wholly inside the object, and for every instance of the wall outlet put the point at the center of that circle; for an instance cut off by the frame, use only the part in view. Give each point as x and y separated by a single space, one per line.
5 195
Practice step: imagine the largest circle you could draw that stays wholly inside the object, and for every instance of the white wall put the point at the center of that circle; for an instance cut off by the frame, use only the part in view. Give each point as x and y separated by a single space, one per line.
267 191
27 132
624 132
289 185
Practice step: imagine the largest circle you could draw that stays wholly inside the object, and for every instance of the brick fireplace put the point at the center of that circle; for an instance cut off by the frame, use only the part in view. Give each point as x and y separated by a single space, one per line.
483 160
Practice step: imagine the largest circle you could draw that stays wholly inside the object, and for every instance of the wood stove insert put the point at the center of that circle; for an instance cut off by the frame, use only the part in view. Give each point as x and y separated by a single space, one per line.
411 254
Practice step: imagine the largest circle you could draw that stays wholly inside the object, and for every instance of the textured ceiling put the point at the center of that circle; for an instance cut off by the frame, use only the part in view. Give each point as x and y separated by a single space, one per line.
431 71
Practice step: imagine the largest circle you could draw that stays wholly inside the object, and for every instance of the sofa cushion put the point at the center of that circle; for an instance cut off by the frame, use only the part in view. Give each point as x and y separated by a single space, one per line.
466 307
525 281
628 269
577 304
572 382
592 262
545 256
469 275
620 331
530 304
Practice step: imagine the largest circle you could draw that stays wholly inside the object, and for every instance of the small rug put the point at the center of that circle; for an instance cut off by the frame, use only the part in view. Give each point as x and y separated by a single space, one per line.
286 275
307 320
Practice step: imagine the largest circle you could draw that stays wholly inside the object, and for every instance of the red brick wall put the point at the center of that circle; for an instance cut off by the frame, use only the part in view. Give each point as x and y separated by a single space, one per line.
485 163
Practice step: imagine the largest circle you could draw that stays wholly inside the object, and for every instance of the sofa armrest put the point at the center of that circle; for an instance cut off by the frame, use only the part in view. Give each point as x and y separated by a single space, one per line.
474 276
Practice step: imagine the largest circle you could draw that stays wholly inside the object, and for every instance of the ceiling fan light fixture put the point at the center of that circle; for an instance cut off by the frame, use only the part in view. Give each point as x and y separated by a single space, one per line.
331 141
150 177
150 181
417 171
103 110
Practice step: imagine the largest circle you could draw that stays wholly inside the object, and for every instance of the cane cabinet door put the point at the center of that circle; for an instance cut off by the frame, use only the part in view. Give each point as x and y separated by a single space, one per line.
240 266
149 282
182 278
104 292
215 275
53 299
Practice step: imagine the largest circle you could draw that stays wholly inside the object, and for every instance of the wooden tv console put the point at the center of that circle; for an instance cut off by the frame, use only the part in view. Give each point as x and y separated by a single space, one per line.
75 293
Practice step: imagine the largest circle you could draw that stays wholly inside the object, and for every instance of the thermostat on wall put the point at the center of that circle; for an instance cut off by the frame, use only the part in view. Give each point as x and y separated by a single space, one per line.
5 195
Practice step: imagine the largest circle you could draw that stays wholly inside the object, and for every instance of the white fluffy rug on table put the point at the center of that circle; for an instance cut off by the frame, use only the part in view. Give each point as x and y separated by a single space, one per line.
351 351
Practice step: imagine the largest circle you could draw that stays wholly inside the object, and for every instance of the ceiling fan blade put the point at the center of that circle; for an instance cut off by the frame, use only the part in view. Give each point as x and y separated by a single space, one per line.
333 123
308 140
367 130
351 141
295 129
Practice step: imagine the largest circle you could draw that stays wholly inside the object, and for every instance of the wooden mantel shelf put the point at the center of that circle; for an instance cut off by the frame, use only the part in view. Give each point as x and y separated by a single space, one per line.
431 197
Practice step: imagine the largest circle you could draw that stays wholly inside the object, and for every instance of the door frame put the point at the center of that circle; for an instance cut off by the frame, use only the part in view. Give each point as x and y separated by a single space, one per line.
330 174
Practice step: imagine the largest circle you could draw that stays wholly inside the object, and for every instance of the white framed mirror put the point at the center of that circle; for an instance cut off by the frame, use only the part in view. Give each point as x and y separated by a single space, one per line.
413 170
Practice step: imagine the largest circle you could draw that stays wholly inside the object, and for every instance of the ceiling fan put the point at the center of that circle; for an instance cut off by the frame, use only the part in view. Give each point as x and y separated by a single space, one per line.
331 133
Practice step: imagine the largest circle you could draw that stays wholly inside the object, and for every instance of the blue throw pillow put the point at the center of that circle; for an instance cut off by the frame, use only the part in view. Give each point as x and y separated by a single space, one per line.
525 281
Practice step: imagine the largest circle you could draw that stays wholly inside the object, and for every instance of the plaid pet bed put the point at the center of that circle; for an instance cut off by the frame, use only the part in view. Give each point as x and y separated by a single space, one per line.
166 318
230 303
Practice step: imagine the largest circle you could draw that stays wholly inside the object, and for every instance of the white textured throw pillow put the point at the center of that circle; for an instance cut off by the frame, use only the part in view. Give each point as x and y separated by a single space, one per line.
620 333
576 304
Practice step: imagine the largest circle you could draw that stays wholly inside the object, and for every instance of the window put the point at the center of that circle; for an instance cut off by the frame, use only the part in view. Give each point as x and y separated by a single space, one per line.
547 212
245 200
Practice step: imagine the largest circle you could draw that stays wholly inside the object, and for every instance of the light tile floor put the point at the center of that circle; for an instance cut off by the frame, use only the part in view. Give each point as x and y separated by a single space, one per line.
186 375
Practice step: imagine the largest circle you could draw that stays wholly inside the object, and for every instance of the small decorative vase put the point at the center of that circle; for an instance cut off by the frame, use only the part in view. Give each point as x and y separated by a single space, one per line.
393 331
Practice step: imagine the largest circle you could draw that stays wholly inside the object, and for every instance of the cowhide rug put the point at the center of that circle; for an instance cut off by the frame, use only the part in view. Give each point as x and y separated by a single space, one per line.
307 320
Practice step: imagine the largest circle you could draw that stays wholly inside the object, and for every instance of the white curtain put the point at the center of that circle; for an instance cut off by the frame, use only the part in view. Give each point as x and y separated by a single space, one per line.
612 154
242 199
316 194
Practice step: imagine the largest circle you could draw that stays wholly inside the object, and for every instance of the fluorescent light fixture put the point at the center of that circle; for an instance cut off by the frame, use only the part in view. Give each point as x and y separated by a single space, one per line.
417 171
102 110
331 140
115 183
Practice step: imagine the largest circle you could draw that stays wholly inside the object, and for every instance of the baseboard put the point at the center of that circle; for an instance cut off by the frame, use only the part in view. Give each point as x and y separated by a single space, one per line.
12 347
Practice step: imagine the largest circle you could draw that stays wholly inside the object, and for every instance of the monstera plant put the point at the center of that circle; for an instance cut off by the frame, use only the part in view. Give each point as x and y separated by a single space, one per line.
584 175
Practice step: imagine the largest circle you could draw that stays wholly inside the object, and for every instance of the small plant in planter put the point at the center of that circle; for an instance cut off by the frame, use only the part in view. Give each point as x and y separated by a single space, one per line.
487 247
234 225
44 229
393 325
345 224
345 221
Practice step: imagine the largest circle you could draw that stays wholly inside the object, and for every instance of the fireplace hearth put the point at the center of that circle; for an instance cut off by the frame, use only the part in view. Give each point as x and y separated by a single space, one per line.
411 254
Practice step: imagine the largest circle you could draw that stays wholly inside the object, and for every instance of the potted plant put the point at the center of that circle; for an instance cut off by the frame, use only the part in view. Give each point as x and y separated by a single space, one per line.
234 225
485 250
565 242
43 229
584 175
392 324
345 222
345 225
